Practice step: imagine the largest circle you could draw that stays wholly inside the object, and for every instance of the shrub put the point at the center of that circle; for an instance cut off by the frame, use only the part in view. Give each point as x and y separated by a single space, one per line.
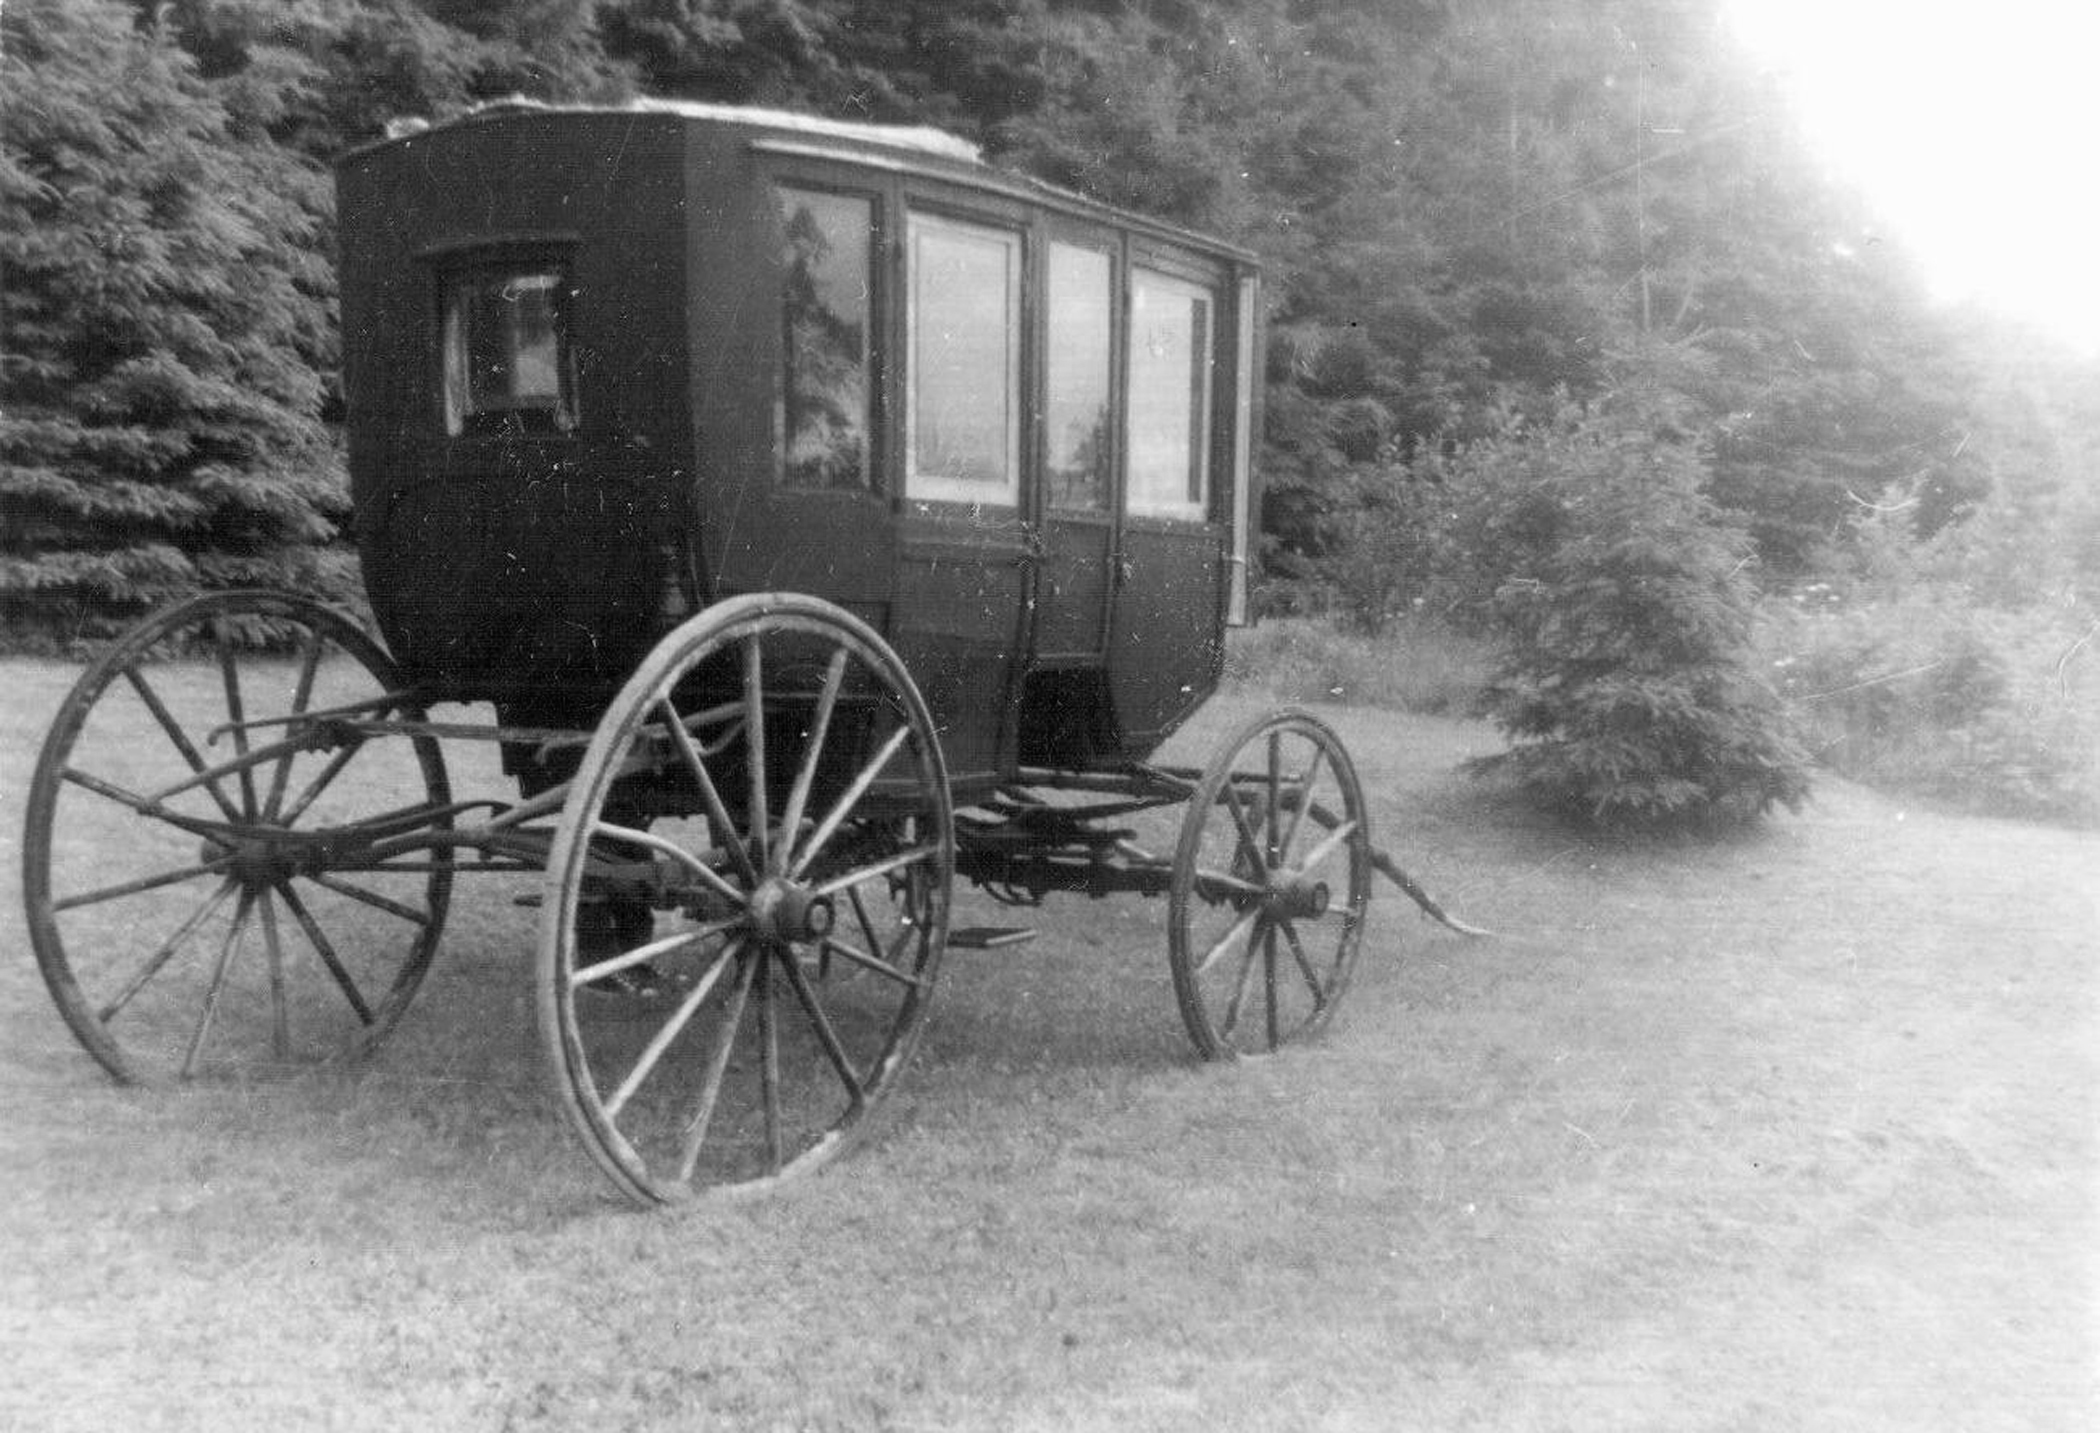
1414 665
1630 683
163 292
1993 710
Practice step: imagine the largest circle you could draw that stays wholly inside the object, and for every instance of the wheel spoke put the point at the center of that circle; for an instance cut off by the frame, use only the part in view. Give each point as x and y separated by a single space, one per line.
717 1066
1241 986
302 693
875 963
280 1009
1305 965
819 729
827 1036
1334 841
1303 786
708 875
654 950
159 959
661 1041
318 939
756 815
1216 885
231 679
143 883
145 805
860 914
371 898
769 1059
831 822
910 856
181 740
220 971
1270 814
1268 975
1225 942
1250 844
717 814
322 780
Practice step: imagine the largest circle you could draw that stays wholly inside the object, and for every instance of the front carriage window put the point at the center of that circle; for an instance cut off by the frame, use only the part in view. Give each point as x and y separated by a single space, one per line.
827 250
962 420
509 369
1076 416
1170 397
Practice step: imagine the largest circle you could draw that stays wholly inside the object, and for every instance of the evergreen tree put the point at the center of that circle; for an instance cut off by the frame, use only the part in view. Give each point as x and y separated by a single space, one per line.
1628 683
163 282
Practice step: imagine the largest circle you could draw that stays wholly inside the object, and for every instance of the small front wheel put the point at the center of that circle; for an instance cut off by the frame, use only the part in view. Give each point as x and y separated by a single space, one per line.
747 900
1265 906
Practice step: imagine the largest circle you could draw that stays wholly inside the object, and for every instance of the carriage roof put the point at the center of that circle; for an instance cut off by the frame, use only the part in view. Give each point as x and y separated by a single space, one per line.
921 148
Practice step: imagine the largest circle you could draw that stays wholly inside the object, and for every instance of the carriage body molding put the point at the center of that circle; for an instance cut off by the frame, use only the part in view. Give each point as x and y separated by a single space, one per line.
607 367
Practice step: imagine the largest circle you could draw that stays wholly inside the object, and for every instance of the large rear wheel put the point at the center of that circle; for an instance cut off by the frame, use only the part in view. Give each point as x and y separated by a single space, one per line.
768 792
181 832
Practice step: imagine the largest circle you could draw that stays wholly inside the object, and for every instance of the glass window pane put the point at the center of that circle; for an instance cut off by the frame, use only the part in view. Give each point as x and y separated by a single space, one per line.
1170 377
507 360
962 421
1076 402
826 254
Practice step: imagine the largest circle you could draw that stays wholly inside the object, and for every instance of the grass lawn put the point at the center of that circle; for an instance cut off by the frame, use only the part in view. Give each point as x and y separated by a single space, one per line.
1792 1131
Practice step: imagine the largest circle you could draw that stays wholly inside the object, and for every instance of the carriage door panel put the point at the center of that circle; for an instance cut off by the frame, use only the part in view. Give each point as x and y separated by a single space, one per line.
794 503
1078 453
1165 651
964 562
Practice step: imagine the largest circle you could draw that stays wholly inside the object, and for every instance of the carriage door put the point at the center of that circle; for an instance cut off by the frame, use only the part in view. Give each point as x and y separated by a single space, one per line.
1078 443
1166 651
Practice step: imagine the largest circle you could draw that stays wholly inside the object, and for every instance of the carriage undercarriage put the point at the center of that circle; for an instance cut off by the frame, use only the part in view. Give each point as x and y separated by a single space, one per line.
744 885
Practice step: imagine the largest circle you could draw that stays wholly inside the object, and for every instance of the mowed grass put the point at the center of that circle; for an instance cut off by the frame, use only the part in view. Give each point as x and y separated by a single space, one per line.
1795 1131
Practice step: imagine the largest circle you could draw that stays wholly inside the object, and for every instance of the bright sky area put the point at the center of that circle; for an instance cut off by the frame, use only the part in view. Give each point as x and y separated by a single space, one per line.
1970 128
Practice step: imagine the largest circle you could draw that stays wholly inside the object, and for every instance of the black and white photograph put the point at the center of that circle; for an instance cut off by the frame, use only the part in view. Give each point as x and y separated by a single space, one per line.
1049 716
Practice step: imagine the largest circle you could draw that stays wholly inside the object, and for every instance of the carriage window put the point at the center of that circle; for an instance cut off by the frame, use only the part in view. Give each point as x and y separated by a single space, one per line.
962 420
826 251
508 365
1077 411
1170 381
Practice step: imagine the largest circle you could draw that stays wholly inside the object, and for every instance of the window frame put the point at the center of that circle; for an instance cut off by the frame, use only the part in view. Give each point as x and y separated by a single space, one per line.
1208 286
450 269
874 338
1108 246
927 487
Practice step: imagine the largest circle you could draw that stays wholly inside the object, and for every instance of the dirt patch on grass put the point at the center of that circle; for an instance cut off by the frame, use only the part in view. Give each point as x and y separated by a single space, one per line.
1794 1131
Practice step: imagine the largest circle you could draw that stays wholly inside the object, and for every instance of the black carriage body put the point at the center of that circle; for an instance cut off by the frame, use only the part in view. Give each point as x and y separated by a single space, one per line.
607 366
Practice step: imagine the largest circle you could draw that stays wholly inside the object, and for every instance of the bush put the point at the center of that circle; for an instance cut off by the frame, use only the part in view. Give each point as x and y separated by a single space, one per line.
164 295
1992 710
1414 665
1630 681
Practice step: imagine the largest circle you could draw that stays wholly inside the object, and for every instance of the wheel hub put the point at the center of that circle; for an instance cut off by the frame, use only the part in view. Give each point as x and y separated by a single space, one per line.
1296 898
790 911
257 859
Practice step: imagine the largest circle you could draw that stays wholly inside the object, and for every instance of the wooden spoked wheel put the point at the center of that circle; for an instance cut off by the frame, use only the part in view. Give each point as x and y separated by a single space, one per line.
190 897
1265 906
761 827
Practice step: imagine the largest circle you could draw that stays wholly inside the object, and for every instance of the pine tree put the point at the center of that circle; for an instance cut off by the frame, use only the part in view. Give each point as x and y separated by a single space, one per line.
1629 682
164 287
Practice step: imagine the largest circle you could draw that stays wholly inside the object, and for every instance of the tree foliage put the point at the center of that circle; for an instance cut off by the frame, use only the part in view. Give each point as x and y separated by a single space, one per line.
1466 212
164 293
1630 683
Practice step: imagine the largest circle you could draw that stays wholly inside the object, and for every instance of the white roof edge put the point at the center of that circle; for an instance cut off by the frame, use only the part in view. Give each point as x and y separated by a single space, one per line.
921 138
917 138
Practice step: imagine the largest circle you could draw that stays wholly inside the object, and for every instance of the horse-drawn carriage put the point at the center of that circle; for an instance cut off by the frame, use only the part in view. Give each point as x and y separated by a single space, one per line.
825 515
